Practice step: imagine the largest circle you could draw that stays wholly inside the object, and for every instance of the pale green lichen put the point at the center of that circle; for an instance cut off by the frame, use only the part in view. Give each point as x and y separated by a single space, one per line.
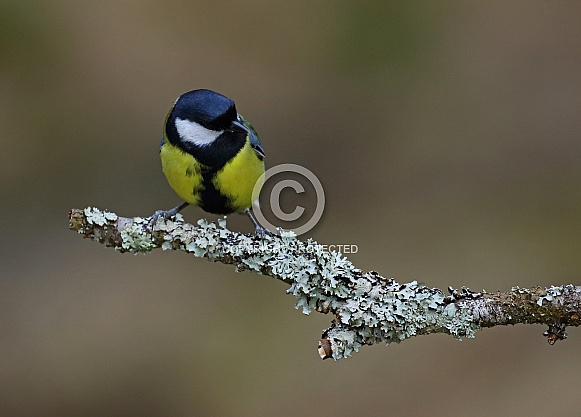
552 292
99 217
391 312
287 234
135 239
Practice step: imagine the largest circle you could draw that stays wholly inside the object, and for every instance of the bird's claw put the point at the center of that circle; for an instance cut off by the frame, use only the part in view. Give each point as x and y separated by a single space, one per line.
262 232
164 214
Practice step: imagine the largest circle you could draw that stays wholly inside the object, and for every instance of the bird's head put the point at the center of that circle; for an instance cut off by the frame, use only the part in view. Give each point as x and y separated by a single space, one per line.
199 117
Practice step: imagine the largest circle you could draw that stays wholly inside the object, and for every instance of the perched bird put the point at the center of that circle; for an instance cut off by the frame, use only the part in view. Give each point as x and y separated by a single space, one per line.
210 155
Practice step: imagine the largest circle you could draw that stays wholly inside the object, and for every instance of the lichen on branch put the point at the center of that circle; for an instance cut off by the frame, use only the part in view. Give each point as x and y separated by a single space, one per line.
367 307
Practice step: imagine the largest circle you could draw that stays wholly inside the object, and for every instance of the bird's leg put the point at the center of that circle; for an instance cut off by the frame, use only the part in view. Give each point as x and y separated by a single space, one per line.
166 214
259 230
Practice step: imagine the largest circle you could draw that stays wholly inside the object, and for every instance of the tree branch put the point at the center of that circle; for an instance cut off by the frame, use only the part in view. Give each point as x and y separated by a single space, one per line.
368 308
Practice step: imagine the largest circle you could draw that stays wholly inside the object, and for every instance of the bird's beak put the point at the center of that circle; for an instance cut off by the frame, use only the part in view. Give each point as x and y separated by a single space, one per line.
238 124
250 132
254 142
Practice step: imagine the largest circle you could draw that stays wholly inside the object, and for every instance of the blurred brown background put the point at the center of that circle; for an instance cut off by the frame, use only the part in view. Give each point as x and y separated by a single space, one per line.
446 136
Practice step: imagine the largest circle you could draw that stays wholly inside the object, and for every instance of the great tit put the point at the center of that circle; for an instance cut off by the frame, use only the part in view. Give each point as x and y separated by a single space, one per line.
211 155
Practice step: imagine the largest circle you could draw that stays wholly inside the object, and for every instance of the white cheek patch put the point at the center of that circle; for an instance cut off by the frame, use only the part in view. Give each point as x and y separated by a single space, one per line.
197 134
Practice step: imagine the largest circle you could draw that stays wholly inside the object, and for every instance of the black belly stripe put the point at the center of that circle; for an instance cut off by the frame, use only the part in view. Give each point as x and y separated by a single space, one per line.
211 199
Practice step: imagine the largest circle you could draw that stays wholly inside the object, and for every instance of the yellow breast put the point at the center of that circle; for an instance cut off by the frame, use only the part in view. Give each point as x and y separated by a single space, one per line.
239 176
182 171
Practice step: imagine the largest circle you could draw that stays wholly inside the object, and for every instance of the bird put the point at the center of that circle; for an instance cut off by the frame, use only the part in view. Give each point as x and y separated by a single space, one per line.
211 156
